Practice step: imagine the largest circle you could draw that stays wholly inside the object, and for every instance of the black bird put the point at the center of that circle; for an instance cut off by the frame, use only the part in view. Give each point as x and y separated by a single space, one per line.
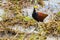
38 16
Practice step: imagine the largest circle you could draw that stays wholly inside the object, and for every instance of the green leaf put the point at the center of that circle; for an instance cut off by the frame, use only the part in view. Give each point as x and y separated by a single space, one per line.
59 13
27 18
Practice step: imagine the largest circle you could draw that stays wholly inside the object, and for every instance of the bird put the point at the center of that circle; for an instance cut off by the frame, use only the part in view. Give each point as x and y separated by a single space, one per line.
39 16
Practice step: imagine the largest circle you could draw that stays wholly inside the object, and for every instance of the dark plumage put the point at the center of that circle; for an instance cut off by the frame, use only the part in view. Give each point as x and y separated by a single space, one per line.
39 16
34 15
